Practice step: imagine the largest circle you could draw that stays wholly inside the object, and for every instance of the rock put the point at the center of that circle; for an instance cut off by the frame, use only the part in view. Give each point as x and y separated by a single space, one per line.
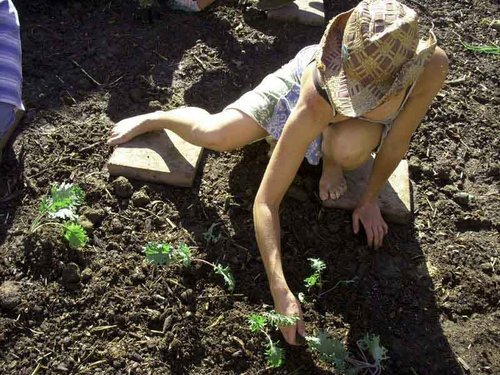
122 187
10 296
140 198
394 199
116 226
136 94
462 198
94 215
86 275
159 157
297 193
86 224
187 296
71 273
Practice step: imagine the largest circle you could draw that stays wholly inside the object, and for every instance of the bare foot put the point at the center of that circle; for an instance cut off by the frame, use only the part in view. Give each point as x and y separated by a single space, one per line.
131 127
332 184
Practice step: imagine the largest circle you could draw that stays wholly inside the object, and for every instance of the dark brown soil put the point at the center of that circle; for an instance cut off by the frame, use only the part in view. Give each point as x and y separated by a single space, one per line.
431 292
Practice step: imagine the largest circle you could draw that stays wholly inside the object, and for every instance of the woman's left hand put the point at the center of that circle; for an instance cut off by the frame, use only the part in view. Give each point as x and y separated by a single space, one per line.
371 218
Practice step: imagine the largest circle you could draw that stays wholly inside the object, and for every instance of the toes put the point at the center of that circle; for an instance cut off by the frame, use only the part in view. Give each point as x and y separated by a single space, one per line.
323 194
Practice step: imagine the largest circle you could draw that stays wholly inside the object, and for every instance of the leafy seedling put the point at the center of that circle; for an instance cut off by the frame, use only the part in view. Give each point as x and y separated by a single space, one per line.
332 351
165 254
209 236
317 266
490 49
62 204
75 234
275 355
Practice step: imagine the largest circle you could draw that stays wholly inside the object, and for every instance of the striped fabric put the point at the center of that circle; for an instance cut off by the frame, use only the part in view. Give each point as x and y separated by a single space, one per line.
10 55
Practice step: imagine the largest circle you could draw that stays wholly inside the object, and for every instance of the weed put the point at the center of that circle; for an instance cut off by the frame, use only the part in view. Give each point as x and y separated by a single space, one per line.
62 204
75 235
317 266
275 355
209 236
334 352
482 48
165 254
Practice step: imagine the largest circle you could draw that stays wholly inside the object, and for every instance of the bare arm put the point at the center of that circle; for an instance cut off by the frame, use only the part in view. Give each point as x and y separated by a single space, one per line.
311 115
396 144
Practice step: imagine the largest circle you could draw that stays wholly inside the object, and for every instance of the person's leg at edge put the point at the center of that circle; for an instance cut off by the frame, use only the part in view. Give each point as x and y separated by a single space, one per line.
223 131
7 124
346 146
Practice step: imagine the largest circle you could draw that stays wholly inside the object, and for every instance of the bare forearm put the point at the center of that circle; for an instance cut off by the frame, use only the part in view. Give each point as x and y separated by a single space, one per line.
267 231
385 163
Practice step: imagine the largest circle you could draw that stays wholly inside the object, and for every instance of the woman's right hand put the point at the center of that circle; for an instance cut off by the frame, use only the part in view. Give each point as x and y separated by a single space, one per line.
286 303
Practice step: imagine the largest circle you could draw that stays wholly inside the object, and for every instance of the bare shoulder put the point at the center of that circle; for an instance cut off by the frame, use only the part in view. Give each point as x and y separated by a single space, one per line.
432 78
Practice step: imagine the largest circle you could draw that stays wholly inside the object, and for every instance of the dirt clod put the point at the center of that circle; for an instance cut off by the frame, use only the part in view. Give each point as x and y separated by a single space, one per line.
71 273
122 187
140 198
10 295
94 215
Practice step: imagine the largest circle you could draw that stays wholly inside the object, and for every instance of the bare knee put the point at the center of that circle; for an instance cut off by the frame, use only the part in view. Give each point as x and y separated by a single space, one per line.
348 154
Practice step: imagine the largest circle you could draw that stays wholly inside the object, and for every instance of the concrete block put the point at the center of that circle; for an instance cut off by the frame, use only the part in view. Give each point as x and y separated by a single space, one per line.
161 157
395 198
309 12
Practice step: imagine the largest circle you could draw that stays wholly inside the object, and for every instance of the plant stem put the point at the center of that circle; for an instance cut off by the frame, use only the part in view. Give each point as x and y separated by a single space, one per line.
33 230
268 337
203 261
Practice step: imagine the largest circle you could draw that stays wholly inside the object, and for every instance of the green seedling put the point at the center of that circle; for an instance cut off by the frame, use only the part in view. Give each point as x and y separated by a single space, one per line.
209 236
275 355
317 266
75 234
332 351
62 204
165 254
491 49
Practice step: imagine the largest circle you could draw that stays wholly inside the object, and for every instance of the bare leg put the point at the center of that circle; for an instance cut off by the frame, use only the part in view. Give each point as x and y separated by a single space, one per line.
346 146
223 131
202 4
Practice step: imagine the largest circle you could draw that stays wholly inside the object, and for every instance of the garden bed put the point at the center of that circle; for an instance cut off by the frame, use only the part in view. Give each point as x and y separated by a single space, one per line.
431 292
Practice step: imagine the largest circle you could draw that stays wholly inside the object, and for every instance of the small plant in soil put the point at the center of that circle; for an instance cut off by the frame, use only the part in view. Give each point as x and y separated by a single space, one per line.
274 353
62 205
317 266
165 254
332 351
210 236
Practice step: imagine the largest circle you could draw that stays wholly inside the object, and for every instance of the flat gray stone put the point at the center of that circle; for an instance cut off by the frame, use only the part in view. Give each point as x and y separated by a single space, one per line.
161 157
394 200
309 12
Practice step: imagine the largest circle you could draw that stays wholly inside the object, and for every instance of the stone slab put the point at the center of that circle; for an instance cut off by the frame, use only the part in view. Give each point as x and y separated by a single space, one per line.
161 157
309 12
395 198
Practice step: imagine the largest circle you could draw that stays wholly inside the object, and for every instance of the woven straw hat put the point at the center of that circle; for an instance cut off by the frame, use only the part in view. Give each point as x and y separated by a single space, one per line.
370 53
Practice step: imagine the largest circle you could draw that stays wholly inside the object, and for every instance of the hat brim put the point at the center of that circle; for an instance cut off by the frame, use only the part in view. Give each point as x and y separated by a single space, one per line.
350 97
